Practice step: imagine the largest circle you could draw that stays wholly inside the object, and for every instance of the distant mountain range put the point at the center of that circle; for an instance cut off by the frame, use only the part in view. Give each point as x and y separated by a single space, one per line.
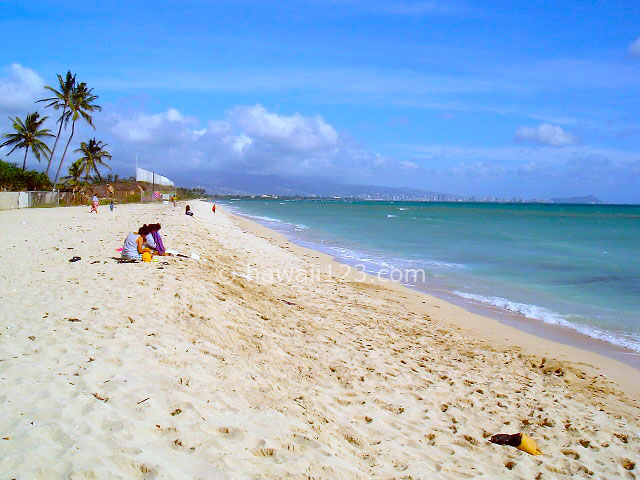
246 184
241 184
589 199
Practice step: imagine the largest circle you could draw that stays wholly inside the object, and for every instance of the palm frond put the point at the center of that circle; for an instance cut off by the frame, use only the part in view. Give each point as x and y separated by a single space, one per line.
29 134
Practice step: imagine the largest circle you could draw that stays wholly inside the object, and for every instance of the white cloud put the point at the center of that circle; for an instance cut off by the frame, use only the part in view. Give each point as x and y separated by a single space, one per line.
545 134
409 165
242 141
143 128
634 48
174 115
19 89
294 132
248 139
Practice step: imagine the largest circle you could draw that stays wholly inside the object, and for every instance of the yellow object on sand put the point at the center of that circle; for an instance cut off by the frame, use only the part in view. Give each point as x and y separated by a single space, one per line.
146 257
519 440
527 444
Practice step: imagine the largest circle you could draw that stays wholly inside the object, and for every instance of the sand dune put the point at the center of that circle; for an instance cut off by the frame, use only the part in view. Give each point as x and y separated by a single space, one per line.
188 370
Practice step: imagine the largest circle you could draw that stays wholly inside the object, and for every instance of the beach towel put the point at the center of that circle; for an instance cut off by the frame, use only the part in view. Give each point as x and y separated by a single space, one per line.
158 239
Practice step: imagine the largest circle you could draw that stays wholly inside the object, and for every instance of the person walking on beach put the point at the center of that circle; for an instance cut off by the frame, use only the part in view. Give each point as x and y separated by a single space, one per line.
94 204
213 209
173 199
111 206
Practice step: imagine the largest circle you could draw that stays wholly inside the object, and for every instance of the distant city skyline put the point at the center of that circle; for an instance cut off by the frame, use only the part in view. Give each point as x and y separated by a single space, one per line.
480 99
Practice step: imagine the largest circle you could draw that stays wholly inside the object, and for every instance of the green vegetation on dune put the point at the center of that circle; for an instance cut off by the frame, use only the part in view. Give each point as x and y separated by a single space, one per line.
13 178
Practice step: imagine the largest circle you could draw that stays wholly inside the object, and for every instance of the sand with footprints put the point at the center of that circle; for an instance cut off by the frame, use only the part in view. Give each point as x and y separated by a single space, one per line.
224 367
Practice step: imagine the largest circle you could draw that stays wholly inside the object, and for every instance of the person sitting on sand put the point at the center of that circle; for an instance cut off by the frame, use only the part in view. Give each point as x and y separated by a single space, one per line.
188 211
148 238
134 245
157 239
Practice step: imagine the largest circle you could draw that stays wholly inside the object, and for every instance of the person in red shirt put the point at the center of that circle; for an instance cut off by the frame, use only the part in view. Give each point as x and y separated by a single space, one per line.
213 209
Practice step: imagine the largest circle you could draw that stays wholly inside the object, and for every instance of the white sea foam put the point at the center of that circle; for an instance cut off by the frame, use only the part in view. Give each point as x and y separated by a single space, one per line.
391 216
393 262
266 219
360 257
547 316
435 263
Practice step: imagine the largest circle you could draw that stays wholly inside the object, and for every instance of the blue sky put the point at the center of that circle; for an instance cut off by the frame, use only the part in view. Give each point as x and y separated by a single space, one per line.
529 99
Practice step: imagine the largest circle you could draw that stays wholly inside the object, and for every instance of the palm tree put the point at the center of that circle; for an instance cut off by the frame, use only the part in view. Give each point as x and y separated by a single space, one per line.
60 100
27 136
73 178
81 105
94 156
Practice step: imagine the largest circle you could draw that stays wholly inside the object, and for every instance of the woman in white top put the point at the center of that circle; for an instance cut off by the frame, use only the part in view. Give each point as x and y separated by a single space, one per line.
134 245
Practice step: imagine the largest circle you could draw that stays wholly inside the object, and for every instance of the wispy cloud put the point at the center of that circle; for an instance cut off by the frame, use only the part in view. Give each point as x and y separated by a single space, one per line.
634 48
414 8
574 73
505 90
345 80
545 134
434 154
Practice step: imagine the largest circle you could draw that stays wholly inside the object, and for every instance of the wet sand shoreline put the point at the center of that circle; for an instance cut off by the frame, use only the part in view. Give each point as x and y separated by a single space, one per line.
539 338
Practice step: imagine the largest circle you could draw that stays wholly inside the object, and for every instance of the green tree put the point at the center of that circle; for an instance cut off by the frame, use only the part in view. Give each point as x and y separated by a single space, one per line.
81 105
28 134
13 178
60 101
73 178
94 156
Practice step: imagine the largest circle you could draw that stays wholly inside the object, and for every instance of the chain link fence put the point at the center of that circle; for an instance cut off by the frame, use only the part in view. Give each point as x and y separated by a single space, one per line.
11 200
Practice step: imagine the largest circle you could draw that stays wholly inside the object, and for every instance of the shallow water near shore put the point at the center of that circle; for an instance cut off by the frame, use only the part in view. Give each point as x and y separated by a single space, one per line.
569 271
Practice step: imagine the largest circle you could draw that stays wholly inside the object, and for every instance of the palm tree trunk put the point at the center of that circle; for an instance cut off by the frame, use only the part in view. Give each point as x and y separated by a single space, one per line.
53 150
73 125
24 162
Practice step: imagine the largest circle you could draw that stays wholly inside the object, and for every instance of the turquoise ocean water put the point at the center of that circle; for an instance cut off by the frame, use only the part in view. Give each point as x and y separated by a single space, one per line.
573 267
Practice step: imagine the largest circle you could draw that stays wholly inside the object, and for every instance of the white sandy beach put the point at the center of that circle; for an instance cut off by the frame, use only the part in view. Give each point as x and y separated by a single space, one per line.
189 371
